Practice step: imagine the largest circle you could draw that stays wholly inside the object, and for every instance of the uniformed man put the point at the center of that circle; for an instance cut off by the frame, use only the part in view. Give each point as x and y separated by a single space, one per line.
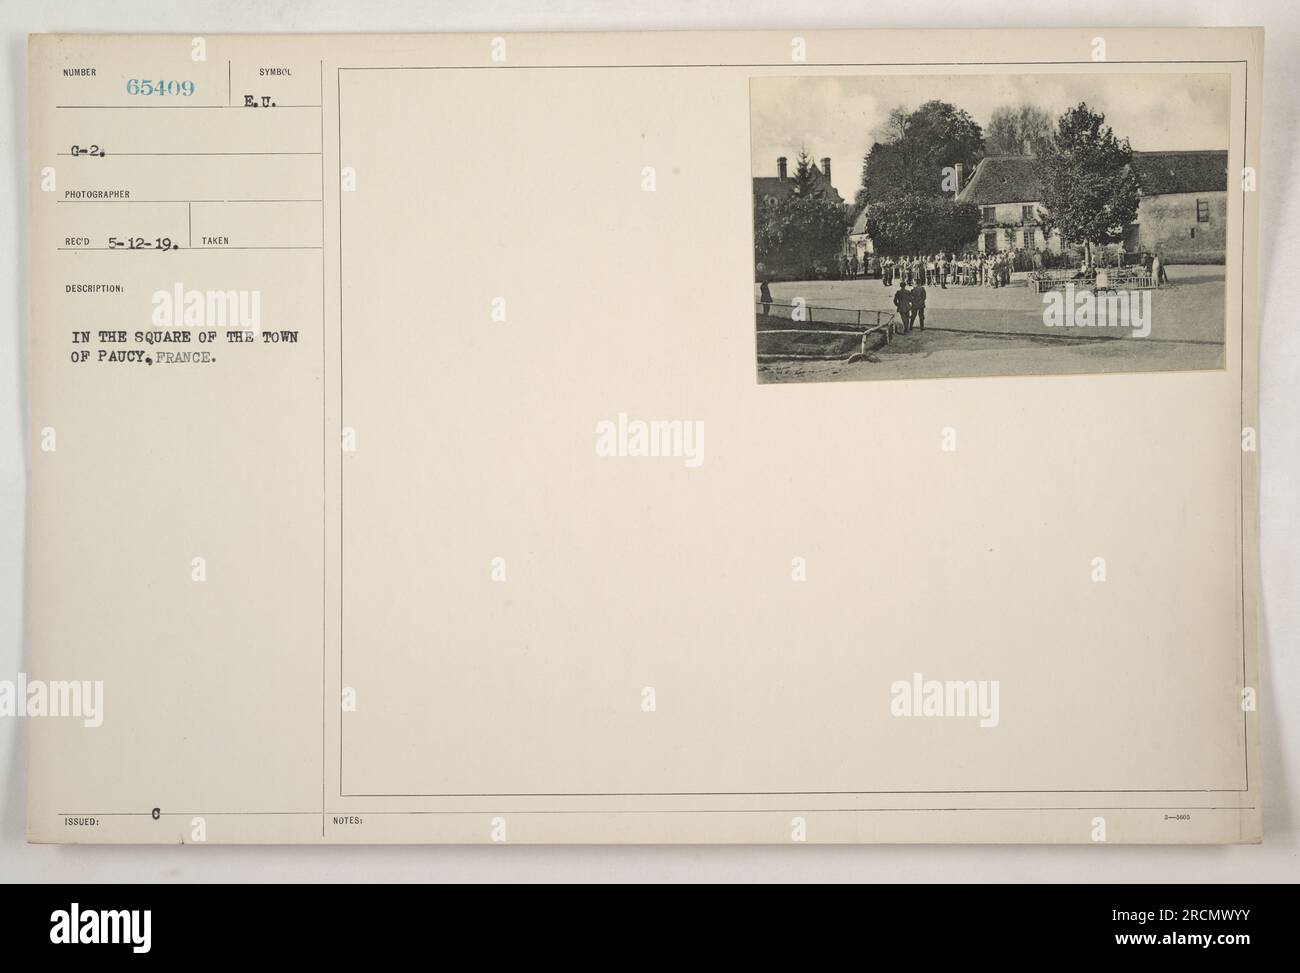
903 304
918 305
1158 275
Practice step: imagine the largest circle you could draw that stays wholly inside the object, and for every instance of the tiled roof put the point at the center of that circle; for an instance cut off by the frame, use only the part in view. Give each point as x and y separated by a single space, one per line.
780 188
1202 171
1014 178
772 186
1003 179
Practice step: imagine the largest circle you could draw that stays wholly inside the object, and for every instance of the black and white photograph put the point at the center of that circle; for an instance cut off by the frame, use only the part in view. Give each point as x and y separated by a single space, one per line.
398 491
989 224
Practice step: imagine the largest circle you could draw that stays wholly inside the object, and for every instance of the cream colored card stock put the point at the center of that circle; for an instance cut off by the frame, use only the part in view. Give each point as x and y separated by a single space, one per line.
519 439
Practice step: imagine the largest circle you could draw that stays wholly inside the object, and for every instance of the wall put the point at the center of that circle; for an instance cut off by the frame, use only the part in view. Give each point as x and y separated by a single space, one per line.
1010 215
1166 222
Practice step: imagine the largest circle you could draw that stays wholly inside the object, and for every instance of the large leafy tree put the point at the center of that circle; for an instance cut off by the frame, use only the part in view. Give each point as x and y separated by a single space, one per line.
1024 130
1089 190
803 232
914 223
914 150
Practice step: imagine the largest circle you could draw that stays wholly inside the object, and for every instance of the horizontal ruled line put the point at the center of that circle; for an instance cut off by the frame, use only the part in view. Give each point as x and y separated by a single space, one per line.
766 64
187 200
649 811
173 249
565 794
107 155
206 814
257 107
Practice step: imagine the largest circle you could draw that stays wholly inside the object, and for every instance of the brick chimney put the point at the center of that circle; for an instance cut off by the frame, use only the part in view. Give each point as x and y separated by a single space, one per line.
826 168
780 168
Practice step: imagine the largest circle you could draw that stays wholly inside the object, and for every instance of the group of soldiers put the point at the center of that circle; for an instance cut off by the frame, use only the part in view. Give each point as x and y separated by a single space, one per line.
913 273
971 269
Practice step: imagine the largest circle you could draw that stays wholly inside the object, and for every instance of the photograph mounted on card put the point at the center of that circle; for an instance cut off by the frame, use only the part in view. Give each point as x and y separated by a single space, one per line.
409 463
989 224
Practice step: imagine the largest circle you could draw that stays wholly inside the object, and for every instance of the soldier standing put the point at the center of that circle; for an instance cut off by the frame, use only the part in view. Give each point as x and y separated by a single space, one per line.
903 303
1158 275
918 305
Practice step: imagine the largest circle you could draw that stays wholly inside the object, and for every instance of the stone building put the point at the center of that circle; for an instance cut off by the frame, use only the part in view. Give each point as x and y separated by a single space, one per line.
1182 205
859 243
1009 194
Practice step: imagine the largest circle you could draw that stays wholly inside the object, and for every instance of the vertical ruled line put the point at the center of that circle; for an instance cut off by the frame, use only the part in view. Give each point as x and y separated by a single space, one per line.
324 461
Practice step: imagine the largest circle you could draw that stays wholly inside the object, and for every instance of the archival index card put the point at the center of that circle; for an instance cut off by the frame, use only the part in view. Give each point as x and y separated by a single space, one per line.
668 437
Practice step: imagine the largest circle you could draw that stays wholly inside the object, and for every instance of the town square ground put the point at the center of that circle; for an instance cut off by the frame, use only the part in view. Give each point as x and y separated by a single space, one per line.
974 331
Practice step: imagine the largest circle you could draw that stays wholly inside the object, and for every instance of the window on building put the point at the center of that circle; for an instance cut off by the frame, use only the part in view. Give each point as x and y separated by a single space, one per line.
989 214
1027 213
1202 211
1028 238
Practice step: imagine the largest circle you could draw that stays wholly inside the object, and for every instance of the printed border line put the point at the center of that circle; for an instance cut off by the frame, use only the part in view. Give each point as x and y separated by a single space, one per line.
324 465
799 65
1241 396
1241 365
711 810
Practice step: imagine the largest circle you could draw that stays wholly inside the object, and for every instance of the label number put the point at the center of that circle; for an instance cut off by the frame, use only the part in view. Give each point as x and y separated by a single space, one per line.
138 86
